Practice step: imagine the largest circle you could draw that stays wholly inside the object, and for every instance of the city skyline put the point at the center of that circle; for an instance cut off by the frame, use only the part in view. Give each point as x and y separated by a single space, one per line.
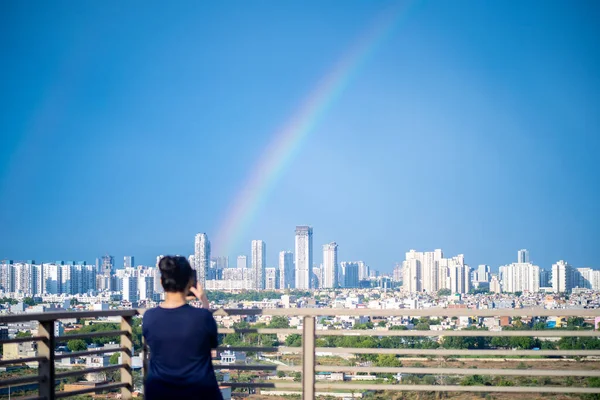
472 131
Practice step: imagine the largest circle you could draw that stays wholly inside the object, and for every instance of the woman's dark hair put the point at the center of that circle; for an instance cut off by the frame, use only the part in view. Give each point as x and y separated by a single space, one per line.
175 273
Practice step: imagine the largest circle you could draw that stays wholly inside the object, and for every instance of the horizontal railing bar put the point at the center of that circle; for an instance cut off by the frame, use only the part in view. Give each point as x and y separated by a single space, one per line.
77 372
452 352
88 353
456 388
99 388
22 340
250 348
258 367
272 331
459 371
428 312
274 385
89 335
430 333
20 380
22 360
465 332
52 316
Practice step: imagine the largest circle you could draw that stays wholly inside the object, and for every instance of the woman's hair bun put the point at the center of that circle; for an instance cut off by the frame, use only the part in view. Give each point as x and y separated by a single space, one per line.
175 273
167 264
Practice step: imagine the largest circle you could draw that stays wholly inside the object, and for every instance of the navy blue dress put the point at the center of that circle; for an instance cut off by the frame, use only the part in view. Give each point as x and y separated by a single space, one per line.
180 341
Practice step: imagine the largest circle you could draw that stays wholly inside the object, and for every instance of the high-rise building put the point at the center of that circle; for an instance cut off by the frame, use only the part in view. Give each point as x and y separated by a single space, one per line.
304 257
146 286
520 277
330 266
482 273
430 272
272 278
350 274
523 256
317 277
7 276
286 270
130 289
582 278
107 265
201 257
128 262
562 277
259 263
397 274
363 271
495 284
242 262
595 280
545 278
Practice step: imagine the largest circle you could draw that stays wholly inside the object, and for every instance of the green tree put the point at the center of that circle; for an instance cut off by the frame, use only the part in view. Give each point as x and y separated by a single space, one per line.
444 292
388 360
293 340
398 328
29 301
279 322
23 334
382 324
77 345
575 323
114 358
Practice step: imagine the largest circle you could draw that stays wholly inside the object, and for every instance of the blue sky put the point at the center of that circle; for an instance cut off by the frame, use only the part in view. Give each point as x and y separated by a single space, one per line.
128 127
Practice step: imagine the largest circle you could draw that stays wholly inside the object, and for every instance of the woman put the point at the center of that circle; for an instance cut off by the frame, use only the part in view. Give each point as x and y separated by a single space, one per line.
180 338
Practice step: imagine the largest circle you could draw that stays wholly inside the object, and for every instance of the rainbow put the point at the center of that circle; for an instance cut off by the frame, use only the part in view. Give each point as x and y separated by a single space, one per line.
287 142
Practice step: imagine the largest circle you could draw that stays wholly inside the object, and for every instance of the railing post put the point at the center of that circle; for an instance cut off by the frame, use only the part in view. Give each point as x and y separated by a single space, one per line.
46 367
308 358
127 343
144 359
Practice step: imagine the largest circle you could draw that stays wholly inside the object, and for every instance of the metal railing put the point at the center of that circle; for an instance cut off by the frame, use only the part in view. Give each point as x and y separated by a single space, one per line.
47 378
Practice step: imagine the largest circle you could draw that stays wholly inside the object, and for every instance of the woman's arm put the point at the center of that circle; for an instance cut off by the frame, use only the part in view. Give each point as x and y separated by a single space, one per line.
200 294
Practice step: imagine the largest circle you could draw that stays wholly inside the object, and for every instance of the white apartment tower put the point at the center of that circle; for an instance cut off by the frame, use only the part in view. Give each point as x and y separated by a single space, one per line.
562 277
430 272
271 278
242 262
304 257
201 257
330 266
130 289
286 270
523 256
520 277
259 263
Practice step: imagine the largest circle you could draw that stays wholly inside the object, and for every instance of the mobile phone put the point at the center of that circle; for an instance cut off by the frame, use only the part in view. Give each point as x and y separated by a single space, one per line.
194 281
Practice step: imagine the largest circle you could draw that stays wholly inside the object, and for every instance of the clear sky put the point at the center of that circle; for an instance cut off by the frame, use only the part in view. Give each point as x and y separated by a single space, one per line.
127 127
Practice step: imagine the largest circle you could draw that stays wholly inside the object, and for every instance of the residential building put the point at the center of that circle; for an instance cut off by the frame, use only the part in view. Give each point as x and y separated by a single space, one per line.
130 289
397 274
349 274
562 277
259 263
128 262
520 277
523 256
330 266
201 257
272 278
286 270
303 257
242 262
495 286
